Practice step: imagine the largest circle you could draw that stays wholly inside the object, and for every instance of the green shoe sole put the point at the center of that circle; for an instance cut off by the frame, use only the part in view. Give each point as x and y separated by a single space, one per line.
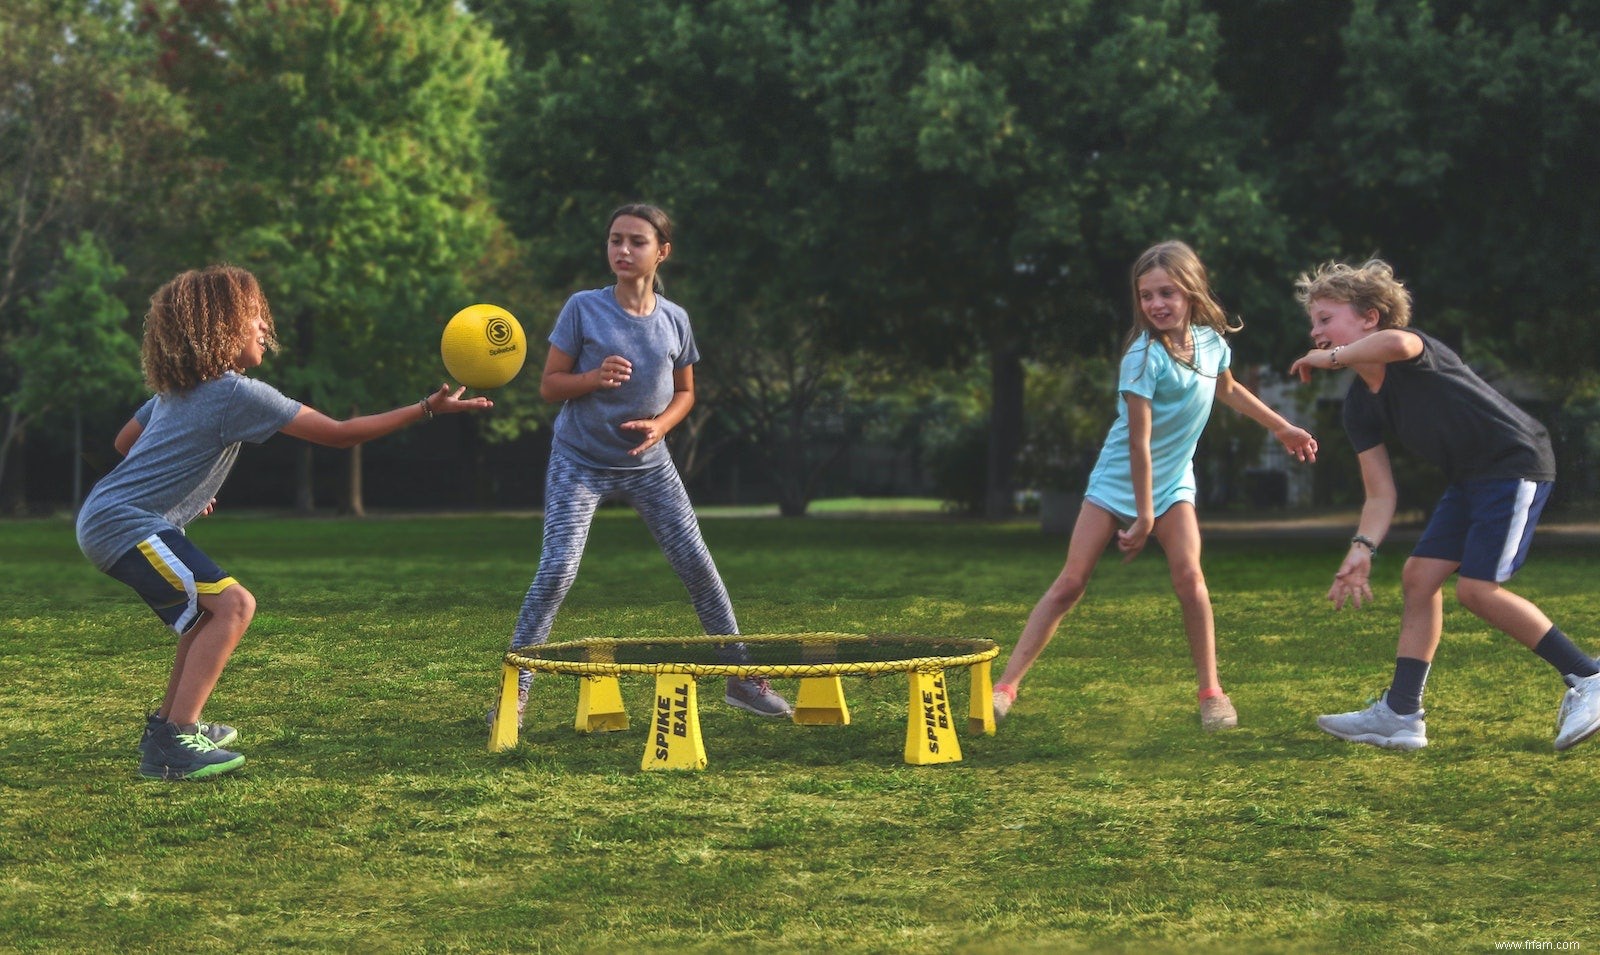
168 773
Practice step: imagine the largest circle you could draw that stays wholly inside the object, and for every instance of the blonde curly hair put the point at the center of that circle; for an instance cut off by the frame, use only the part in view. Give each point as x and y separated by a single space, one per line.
198 324
1371 285
1189 274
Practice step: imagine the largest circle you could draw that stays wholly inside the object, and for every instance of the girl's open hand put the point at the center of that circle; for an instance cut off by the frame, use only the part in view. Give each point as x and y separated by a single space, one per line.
1298 442
650 428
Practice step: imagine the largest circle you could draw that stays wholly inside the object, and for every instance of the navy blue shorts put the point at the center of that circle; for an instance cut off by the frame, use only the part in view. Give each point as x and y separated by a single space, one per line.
1485 526
171 573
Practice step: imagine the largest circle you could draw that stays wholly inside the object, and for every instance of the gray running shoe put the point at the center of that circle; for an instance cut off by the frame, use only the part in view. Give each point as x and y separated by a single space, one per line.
220 734
1579 718
522 706
1377 725
181 752
757 696
1217 714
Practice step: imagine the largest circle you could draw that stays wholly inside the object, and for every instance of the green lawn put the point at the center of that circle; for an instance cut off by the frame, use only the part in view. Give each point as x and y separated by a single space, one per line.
371 817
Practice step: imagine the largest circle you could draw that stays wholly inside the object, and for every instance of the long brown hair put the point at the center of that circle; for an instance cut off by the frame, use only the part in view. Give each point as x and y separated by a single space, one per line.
1189 274
198 324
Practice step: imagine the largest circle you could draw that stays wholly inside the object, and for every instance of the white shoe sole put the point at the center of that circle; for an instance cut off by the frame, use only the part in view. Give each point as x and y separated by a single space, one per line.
1564 746
1373 739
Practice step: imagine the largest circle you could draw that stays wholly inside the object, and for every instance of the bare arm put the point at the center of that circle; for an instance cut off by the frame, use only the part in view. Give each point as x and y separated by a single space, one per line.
130 432
1351 582
1379 348
316 427
560 383
1132 540
1297 441
655 429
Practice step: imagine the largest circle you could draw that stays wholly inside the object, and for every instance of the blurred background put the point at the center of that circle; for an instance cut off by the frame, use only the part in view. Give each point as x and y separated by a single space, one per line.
903 228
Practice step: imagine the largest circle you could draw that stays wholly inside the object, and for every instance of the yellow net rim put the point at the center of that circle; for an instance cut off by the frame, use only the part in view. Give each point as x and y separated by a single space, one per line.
527 658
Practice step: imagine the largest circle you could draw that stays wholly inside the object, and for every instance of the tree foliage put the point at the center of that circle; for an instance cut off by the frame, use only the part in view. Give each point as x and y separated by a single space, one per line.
349 143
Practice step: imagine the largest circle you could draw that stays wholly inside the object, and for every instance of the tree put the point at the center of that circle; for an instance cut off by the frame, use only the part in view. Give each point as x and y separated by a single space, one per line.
80 354
349 142
87 141
1015 161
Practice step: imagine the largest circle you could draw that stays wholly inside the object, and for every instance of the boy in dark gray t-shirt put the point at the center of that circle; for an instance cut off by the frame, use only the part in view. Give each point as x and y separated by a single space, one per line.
204 329
1501 469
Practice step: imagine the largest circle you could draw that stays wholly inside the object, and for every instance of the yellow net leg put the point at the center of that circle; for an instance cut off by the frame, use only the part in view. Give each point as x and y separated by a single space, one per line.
503 734
980 711
821 702
599 705
930 732
674 741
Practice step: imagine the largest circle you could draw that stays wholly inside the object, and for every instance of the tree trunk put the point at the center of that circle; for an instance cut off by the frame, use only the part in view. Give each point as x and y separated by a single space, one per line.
305 497
353 505
1005 431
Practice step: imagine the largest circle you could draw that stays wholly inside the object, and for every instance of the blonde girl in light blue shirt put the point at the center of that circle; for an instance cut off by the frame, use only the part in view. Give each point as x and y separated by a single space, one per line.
1175 362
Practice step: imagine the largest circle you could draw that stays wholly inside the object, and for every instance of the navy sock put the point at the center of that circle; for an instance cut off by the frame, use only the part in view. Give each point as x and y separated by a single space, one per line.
1405 693
1564 655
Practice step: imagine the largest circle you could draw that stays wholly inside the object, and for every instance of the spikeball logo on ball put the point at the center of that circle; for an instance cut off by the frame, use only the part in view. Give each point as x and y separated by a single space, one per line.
483 346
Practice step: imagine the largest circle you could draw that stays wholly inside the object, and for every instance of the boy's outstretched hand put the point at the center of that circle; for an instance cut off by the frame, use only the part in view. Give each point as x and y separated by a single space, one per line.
445 401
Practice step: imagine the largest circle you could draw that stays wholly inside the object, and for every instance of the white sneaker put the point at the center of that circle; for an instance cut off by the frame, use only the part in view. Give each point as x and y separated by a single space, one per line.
1377 725
1580 711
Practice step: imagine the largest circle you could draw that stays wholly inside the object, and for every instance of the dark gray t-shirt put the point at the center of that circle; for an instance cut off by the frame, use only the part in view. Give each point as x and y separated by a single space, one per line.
189 443
591 327
1445 414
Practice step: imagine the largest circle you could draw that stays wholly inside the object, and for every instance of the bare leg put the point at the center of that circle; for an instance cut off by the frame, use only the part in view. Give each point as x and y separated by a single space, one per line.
204 651
1178 530
1422 618
1090 535
1515 616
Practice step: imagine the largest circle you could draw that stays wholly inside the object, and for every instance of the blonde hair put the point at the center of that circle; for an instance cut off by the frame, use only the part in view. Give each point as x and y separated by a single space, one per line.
1372 285
198 324
1188 273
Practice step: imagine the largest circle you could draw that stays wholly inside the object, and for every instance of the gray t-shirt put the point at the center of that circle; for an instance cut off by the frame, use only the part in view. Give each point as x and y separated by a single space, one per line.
1448 416
592 326
189 443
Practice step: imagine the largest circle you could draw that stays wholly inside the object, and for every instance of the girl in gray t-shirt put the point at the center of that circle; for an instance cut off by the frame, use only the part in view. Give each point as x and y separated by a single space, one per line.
204 330
621 363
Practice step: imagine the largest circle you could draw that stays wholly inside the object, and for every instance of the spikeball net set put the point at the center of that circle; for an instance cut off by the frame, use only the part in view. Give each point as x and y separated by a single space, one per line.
818 660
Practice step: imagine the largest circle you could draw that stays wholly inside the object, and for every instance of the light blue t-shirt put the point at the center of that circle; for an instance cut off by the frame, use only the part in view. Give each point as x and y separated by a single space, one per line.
189 442
591 327
1180 405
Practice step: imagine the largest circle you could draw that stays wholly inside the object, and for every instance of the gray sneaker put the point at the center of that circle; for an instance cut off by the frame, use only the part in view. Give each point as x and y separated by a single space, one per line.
220 734
757 696
181 752
1377 725
1579 718
522 706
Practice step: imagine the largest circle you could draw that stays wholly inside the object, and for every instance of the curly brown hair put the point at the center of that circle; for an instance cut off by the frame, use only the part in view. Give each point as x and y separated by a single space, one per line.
1371 285
198 324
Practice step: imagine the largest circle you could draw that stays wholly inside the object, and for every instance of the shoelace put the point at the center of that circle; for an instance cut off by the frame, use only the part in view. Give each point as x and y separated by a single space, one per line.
196 741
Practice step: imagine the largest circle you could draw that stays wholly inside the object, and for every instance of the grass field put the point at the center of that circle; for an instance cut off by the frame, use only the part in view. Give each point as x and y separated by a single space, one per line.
370 816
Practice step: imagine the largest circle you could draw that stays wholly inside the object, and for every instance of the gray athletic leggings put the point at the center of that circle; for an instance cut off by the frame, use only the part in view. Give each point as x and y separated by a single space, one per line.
572 492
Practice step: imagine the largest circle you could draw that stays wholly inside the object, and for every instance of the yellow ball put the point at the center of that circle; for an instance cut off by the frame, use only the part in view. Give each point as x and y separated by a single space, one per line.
483 346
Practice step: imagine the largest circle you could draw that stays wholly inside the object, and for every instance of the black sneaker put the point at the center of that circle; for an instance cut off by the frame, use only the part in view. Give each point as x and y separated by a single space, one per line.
181 752
220 734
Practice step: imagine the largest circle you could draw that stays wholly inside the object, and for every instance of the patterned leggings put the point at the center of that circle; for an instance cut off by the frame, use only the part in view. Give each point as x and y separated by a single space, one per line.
572 494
